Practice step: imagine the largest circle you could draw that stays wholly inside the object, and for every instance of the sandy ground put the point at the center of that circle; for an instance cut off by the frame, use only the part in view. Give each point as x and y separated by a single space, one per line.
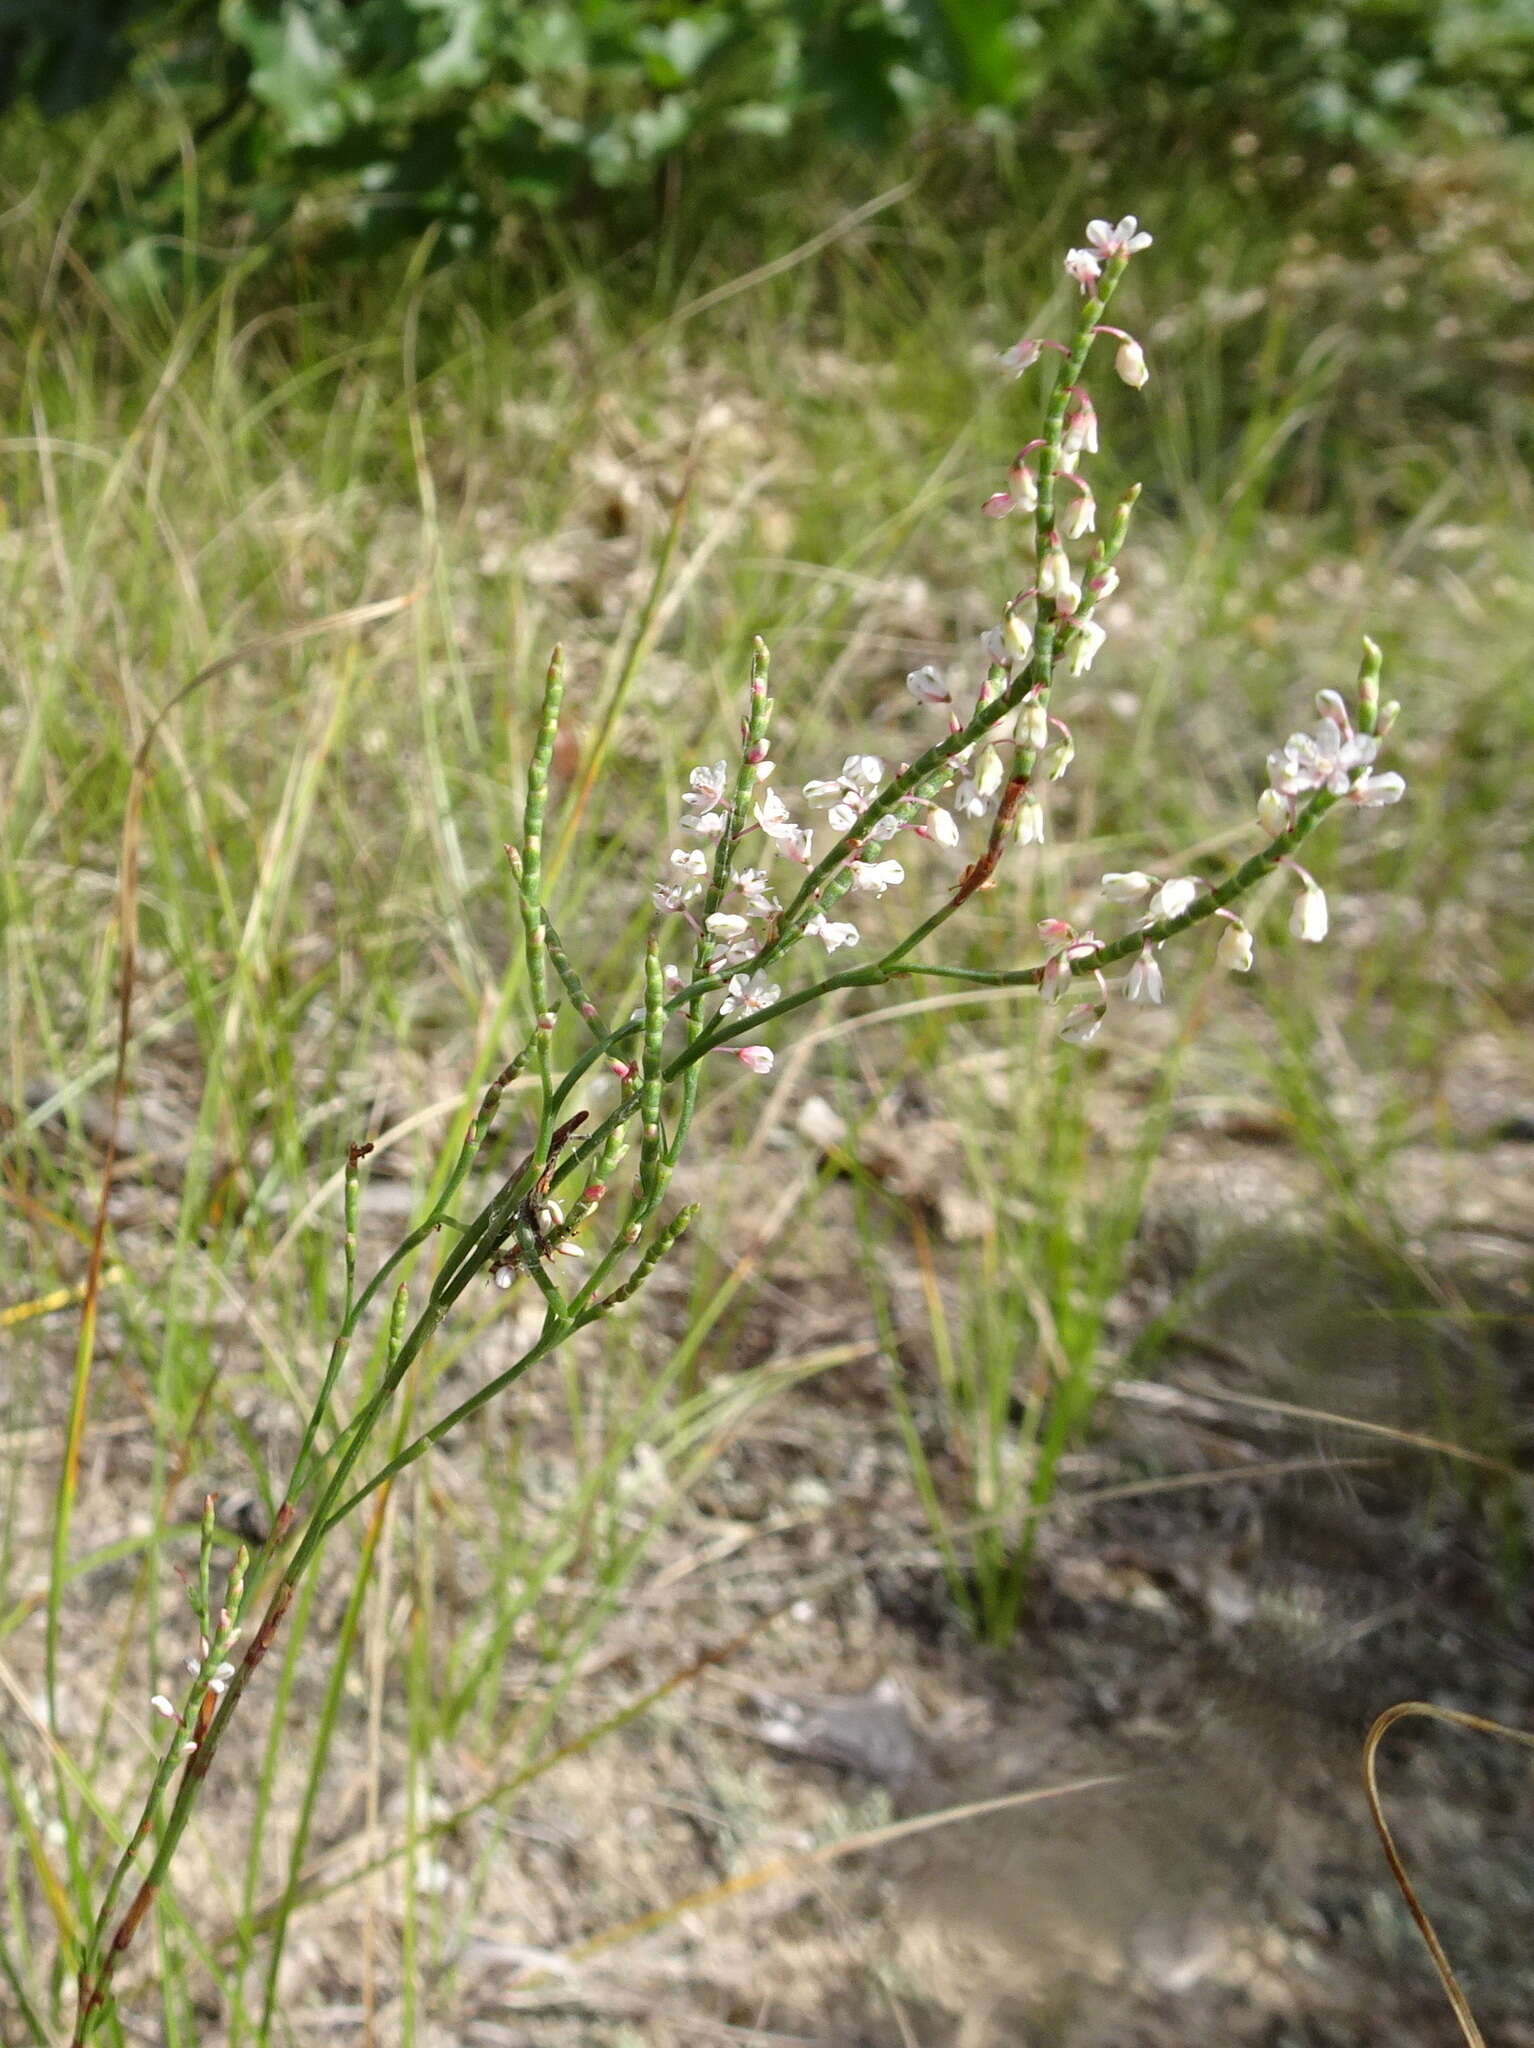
1210 1632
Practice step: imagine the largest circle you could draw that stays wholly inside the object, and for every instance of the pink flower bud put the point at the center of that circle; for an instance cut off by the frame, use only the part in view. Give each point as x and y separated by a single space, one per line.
1023 486
1131 365
1022 355
999 505
757 1058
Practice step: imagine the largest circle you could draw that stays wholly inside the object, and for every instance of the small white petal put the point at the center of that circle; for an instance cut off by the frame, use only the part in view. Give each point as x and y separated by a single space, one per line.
1235 949
1173 897
1372 790
1309 919
1126 888
1083 1023
926 686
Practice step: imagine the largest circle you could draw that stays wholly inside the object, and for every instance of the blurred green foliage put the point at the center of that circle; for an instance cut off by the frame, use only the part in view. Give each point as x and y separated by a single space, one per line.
404 111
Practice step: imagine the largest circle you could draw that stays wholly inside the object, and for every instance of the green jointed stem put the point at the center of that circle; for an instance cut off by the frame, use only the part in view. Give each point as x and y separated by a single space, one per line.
652 1072
663 1242
531 888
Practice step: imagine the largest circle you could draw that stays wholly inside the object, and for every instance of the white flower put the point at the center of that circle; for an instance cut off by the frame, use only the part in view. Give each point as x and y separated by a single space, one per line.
709 823
1062 757
1103 585
1127 238
1056 580
1080 436
1084 645
548 1215
1030 822
988 772
1022 355
1320 760
1016 634
791 840
668 896
1083 1023
849 793
218 1684
752 884
1372 790
706 787
1235 948
758 1058
1131 364
831 935
725 925
1273 814
926 686
1081 518
691 860
875 876
1021 494
1144 984
1173 897
1033 725
1308 920
940 826
749 994
968 800
163 1707
1127 887
1084 267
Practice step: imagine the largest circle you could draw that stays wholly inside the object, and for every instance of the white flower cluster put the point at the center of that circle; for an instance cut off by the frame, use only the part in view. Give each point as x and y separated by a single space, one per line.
1328 758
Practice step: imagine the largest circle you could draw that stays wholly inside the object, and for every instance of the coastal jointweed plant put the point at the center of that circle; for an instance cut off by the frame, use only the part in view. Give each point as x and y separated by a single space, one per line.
756 920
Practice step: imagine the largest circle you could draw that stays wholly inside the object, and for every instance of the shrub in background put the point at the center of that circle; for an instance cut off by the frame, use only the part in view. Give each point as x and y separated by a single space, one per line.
408 111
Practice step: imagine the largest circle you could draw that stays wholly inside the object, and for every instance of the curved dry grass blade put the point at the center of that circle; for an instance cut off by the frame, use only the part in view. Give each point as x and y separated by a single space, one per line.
1414 1440
1451 1718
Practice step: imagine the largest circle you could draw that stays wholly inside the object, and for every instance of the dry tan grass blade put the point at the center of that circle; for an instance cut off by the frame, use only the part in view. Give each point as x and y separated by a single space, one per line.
1451 1718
